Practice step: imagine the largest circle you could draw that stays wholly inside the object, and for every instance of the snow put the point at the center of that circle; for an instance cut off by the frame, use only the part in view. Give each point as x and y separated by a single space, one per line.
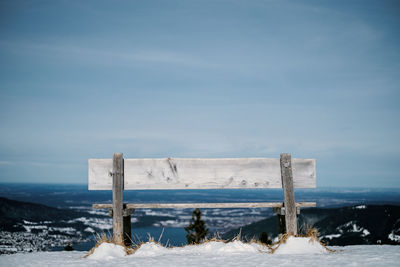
29 228
66 230
353 227
231 247
394 237
100 223
107 251
360 207
151 249
213 254
300 245
8 248
171 223
331 236
365 232
28 222
90 230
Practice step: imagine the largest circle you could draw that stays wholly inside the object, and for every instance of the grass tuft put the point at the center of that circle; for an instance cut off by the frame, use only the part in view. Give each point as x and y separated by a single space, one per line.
311 233
104 238
238 237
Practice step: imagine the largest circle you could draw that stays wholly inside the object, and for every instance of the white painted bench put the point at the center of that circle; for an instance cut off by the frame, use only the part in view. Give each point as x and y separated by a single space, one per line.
120 174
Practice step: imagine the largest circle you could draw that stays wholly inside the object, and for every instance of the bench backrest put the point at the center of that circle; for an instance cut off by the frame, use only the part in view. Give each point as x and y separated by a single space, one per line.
199 173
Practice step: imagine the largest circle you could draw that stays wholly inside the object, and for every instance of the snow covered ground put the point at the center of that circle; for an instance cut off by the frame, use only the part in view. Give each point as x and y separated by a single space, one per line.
295 252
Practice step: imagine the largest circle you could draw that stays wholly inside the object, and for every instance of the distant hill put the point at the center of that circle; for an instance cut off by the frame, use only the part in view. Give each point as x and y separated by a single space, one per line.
32 227
17 216
27 227
363 224
13 213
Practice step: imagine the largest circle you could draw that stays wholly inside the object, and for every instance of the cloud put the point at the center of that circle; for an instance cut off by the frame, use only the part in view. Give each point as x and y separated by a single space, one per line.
105 56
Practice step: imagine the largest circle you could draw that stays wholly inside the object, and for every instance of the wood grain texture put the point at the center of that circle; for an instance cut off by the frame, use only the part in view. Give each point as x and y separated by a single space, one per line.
203 205
189 173
118 187
288 194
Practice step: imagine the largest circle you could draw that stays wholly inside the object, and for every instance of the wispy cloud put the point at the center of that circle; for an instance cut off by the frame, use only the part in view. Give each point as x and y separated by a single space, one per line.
105 56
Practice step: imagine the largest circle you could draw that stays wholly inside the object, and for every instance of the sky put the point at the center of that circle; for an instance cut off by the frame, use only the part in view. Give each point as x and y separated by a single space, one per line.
151 79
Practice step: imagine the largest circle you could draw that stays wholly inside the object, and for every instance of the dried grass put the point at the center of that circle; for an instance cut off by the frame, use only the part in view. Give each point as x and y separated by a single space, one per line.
253 240
104 238
311 233
214 239
238 237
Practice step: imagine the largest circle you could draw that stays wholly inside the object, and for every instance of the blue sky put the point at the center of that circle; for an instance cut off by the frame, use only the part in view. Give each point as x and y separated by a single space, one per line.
84 79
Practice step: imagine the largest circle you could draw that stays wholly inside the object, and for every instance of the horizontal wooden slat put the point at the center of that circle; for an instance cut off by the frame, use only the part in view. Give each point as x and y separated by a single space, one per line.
203 205
179 173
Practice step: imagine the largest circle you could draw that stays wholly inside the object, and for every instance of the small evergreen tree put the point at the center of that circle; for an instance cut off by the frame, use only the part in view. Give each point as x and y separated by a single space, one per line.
265 239
196 231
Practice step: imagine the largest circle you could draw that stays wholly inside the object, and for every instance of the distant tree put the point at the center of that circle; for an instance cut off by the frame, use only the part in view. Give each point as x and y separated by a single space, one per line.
196 231
265 239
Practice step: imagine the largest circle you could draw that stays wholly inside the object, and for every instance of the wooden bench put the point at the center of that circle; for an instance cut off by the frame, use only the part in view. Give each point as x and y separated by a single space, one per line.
120 174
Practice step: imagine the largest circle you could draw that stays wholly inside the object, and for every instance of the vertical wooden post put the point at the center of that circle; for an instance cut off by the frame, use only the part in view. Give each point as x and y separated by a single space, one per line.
288 193
118 187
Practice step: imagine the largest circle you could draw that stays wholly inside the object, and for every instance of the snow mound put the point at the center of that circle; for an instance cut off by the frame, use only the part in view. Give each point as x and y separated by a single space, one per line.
212 247
293 245
107 251
231 247
300 245
150 249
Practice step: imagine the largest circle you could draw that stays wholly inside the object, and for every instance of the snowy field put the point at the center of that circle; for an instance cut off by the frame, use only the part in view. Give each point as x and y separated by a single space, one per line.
296 253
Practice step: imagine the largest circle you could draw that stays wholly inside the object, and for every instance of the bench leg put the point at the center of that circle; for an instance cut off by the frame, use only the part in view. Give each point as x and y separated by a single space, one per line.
288 194
127 231
280 215
126 225
117 193
281 224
